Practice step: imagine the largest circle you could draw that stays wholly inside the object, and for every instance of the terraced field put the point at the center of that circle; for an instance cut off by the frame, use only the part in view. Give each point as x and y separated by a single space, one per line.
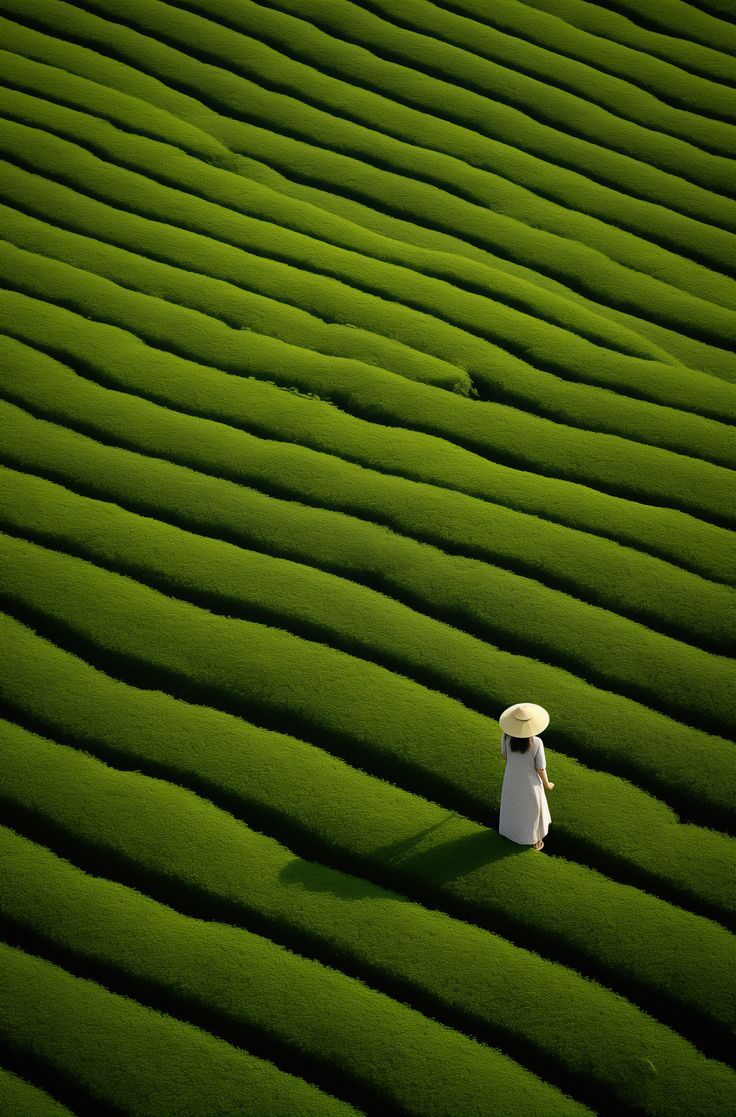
365 369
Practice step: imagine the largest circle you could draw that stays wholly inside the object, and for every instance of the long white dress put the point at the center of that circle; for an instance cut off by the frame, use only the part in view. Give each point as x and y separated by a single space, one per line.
524 816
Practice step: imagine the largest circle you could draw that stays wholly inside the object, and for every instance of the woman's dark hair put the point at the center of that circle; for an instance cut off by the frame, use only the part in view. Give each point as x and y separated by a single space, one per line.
518 744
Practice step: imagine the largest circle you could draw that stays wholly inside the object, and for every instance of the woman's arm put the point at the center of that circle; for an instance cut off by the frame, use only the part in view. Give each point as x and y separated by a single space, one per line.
542 773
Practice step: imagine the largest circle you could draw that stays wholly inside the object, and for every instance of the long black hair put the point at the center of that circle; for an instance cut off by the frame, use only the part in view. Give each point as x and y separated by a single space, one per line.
518 744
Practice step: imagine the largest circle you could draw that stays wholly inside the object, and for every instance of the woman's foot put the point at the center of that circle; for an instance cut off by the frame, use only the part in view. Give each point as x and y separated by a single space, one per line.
538 845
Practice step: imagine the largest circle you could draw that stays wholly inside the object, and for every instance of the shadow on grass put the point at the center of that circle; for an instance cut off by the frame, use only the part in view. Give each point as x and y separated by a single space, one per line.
452 859
440 862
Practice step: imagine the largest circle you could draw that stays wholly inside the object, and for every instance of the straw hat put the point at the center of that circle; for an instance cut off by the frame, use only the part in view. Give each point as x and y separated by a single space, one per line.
525 719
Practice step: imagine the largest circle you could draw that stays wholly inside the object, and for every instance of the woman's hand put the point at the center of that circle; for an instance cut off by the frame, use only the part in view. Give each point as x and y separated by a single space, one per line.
550 786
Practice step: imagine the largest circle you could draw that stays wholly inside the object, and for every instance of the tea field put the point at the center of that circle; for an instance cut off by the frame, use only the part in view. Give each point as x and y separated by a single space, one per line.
366 368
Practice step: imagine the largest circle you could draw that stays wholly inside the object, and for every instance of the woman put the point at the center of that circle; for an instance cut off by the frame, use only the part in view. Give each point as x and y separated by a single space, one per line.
525 816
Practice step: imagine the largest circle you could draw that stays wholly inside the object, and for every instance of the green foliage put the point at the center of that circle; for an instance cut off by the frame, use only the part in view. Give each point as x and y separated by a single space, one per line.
248 271
693 608
620 466
216 507
269 674
488 601
451 87
19 1096
335 1024
416 185
281 779
544 48
366 367
117 358
692 57
124 1054
154 830
558 35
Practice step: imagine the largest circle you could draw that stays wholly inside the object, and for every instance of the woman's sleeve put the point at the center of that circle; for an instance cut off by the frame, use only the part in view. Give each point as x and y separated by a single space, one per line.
540 761
503 744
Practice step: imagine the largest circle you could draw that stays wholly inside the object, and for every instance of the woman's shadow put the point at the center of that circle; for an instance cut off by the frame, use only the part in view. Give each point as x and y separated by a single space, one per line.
407 859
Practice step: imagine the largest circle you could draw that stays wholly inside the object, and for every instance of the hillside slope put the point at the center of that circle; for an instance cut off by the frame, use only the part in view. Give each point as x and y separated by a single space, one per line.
366 368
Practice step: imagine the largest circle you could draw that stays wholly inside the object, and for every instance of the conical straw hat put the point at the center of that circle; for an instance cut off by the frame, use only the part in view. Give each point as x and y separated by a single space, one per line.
524 719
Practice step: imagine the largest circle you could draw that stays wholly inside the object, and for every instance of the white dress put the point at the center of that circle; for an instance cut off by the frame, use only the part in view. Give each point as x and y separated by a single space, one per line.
524 816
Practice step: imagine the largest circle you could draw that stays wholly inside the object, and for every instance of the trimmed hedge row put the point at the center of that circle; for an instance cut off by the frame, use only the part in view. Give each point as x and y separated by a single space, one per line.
122 1054
409 311
140 118
355 225
358 1042
370 589
269 275
630 469
399 190
237 976
143 118
673 18
524 615
17 1096
276 778
670 84
231 298
214 507
609 112
111 356
525 42
563 148
67 54
251 293
693 609
86 122
268 675
97 92
428 118
693 58
677 345
210 863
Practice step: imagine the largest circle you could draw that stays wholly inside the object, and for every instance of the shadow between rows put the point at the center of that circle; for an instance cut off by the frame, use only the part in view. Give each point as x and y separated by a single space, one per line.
182 84
465 283
557 81
495 390
195 902
499 454
523 565
90 372
271 83
189 1009
501 392
40 1071
417 882
458 120
504 638
668 95
141 672
411 778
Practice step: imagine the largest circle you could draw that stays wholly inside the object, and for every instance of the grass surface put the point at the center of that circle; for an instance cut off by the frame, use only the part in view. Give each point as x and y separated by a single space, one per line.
17 1095
287 527
169 641
446 582
252 881
365 368
253 586
336 1026
136 1059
